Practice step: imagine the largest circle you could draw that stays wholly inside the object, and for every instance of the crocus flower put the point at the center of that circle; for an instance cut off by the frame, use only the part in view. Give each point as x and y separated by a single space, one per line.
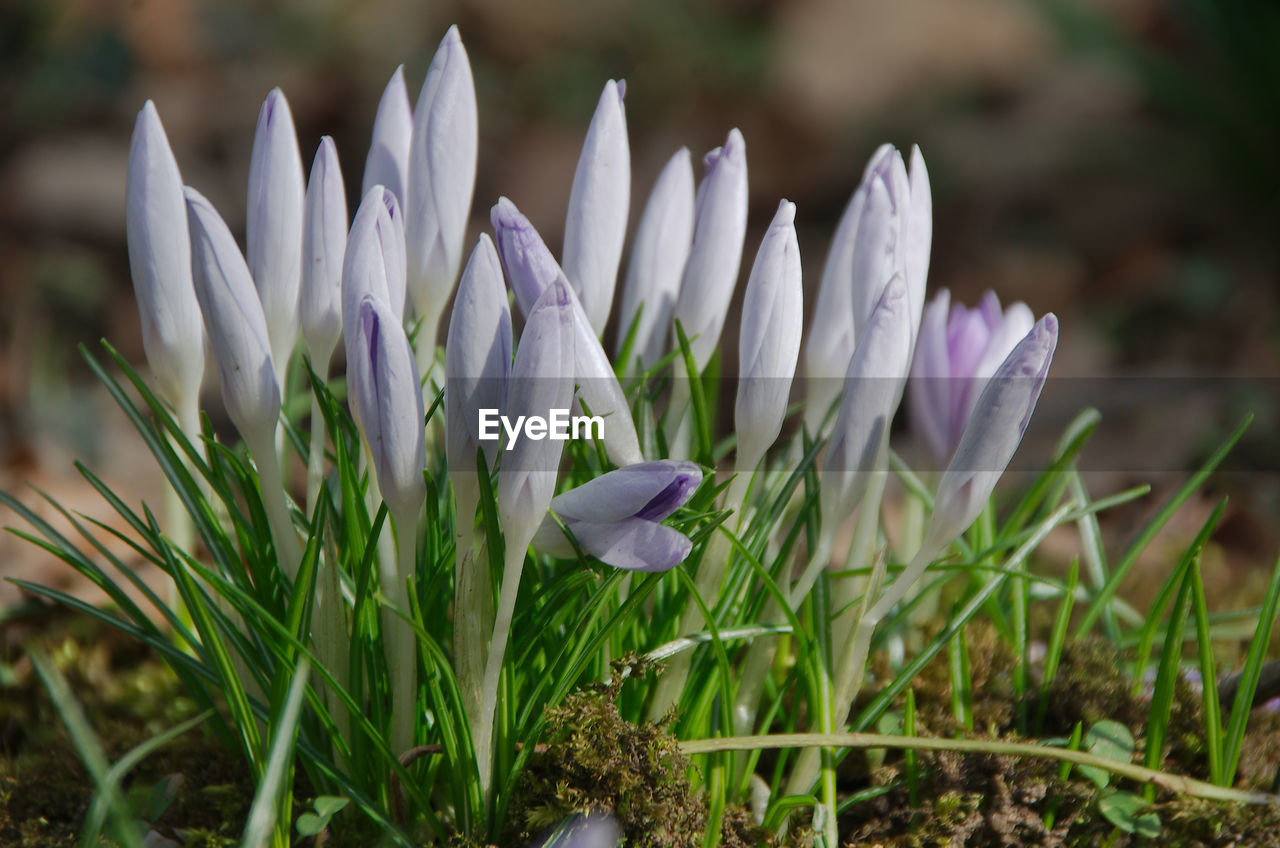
596 223
477 356
658 255
720 226
531 269
391 241
233 317
324 241
387 162
992 434
442 176
872 391
160 261
364 267
917 234
383 383
769 341
879 255
541 380
616 517
273 224
958 351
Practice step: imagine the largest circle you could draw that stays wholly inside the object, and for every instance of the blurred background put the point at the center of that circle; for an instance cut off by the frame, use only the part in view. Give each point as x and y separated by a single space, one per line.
1115 161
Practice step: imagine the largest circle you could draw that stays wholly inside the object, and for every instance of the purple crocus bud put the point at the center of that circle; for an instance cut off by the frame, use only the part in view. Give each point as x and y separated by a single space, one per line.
878 255
958 351
383 381
364 269
392 241
477 357
596 224
872 391
442 177
234 320
616 516
720 226
992 434
769 341
388 160
541 381
531 269
658 256
324 241
160 261
273 224
830 342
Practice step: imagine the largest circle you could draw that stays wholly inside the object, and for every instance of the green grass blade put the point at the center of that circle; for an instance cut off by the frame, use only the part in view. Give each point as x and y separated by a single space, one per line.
1249 679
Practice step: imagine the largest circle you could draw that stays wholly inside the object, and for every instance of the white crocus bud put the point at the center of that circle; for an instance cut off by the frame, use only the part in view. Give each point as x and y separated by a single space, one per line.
364 269
235 322
324 241
273 224
391 239
830 343
387 162
160 261
596 224
477 359
873 390
918 234
442 176
877 256
658 255
384 385
769 341
720 226
994 430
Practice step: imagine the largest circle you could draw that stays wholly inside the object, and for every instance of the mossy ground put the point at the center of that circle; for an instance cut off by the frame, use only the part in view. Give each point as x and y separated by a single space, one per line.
594 759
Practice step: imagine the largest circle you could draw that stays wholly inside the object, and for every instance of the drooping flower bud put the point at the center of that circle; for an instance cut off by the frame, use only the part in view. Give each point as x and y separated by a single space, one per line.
477 357
273 224
958 351
541 381
992 434
769 341
599 201
720 226
383 384
442 176
658 255
234 319
324 241
616 517
387 163
160 261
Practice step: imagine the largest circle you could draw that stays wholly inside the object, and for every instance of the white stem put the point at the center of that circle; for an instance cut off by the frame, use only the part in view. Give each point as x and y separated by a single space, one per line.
473 603
274 501
676 423
315 462
398 633
511 571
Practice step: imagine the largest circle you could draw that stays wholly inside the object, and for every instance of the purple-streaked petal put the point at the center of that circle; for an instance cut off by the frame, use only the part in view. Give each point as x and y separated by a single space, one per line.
633 544
930 384
648 490
160 261
599 201
387 163
529 264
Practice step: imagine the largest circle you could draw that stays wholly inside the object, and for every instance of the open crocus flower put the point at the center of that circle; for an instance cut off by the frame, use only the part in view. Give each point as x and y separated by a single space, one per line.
616 517
958 352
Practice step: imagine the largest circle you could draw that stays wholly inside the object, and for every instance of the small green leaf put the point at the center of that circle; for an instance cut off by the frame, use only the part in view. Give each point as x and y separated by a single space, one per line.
1110 740
1124 810
322 809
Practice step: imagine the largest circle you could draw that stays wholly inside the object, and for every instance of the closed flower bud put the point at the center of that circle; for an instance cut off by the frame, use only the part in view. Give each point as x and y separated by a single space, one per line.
234 320
324 241
391 239
541 380
387 163
442 176
383 383
599 201
958 351
477 357
616 517
918 234
658 255
992 434
878 255
720 226
160 261
769 341
273 223
872 391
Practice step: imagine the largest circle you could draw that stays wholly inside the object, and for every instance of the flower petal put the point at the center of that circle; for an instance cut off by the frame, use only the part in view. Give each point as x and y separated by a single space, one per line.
324 241
648 490
387 162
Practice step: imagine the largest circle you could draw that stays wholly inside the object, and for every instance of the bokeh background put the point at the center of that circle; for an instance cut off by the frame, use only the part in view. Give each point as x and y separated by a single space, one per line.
1115 161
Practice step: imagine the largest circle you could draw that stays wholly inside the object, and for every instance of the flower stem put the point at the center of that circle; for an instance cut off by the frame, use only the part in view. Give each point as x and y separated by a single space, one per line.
511 571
